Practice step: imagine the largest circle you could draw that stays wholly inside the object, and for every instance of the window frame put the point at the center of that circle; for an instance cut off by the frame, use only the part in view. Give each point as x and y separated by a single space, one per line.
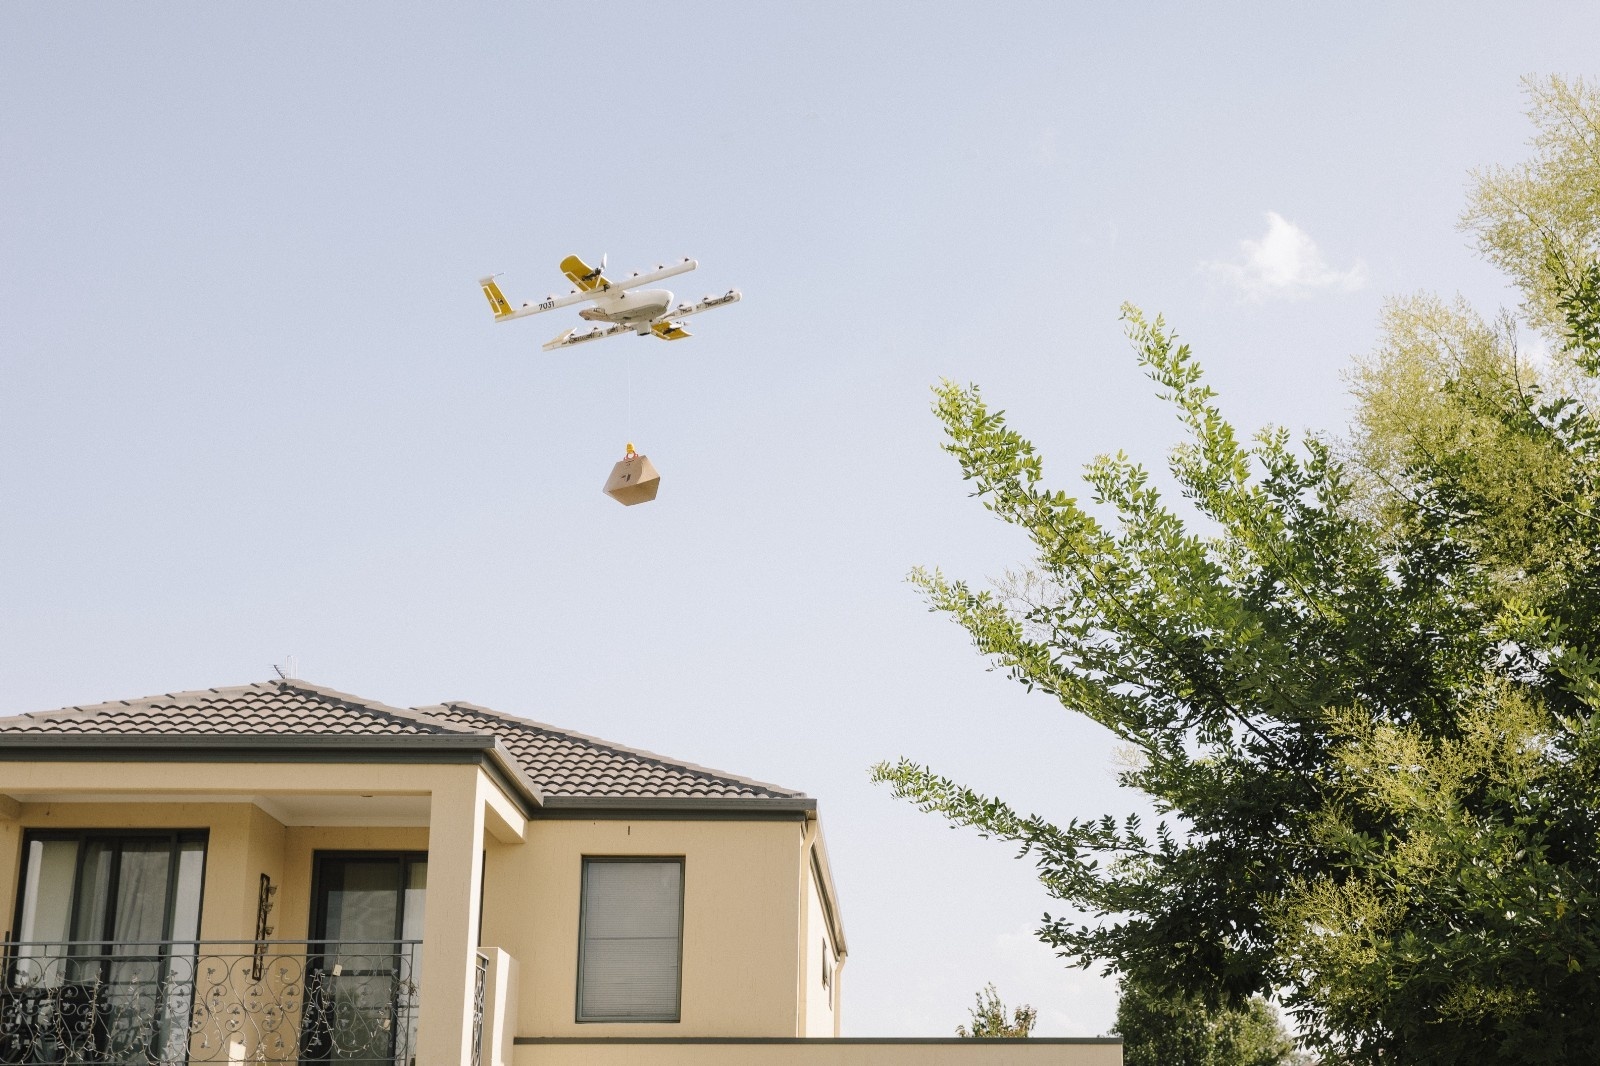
176 838
317 912
578 1014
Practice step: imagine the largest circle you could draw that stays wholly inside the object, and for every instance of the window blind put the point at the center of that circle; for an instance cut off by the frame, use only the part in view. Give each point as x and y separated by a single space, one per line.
630 940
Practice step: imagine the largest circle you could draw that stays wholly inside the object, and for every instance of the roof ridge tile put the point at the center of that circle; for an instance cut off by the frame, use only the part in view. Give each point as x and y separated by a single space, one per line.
406 714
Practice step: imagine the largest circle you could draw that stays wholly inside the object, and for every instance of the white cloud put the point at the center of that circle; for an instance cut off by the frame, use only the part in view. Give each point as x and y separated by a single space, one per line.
1284 262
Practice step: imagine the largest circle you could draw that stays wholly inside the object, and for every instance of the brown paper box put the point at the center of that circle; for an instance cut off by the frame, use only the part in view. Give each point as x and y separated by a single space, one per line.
633 481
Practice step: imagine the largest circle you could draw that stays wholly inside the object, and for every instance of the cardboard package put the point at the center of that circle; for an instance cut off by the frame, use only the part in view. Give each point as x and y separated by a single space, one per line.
633 480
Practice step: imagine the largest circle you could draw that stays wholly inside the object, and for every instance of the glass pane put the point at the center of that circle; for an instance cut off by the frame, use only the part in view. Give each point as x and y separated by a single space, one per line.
136 992
635 978
416 893
630 951
362 1001
186 904
140 915
408 998
47 895
363 901
93 890
628 899
46 912
178 992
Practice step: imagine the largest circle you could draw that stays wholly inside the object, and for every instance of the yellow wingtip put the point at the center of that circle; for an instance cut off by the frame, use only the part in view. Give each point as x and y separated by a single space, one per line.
582 275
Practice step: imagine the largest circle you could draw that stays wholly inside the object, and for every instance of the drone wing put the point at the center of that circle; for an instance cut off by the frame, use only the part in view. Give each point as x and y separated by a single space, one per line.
732 296
572 336
636 279
591 285
587 279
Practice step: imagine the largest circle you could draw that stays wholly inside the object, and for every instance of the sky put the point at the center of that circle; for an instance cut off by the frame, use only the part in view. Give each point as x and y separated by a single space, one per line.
253 404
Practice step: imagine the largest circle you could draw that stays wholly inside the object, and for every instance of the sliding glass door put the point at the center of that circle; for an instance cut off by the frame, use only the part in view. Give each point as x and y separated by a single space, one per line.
363 983
106 930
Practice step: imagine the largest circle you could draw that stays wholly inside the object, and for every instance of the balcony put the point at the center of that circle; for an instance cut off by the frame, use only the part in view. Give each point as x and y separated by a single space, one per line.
166 1003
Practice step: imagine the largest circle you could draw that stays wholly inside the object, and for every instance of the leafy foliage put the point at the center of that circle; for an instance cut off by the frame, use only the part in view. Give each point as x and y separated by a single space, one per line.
1360 682
1215 656
1540 221
1180 1030
1469 924
989 1019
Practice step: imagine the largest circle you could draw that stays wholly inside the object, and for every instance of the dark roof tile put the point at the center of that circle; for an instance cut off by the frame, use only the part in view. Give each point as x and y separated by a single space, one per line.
557 762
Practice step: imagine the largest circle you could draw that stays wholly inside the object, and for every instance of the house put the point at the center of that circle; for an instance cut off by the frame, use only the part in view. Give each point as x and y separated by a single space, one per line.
278 872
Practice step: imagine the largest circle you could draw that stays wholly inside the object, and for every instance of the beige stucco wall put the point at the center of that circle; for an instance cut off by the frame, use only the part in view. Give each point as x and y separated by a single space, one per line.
741 949
10 868
821 1017
753 922
825 1053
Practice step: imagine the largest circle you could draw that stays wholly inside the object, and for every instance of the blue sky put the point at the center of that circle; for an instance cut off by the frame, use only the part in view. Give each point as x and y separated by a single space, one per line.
252 403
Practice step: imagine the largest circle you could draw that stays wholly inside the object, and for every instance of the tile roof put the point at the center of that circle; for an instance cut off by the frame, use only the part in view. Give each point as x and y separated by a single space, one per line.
557 762
564 763
270 708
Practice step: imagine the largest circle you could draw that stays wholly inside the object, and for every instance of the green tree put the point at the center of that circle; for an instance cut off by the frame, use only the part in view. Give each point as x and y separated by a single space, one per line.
1540 221
989 1019
1180 1030
1461 914
1360 679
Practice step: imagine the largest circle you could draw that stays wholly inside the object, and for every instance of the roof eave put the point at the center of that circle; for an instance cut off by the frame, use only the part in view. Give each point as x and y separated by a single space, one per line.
285 747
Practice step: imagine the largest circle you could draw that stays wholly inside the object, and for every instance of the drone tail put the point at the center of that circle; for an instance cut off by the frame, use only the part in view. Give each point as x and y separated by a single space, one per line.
497 299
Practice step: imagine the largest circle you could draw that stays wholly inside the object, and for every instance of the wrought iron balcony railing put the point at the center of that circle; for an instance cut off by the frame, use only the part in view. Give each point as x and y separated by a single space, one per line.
173 1002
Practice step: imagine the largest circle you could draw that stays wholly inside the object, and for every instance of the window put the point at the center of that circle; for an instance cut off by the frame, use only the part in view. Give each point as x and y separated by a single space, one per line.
361 987
112 887
106 951
630 940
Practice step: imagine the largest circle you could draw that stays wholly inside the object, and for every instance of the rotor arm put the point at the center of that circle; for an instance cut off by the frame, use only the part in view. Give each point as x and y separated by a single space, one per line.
572 336
684 310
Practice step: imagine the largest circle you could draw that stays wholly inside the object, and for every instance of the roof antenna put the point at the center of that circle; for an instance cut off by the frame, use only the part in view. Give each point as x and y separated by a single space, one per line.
288 670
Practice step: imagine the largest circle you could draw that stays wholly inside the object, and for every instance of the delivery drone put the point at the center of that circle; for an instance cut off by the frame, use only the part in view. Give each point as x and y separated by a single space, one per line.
623 305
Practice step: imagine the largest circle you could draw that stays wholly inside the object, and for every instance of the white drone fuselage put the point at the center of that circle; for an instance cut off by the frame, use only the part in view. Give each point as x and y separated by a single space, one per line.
633 307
